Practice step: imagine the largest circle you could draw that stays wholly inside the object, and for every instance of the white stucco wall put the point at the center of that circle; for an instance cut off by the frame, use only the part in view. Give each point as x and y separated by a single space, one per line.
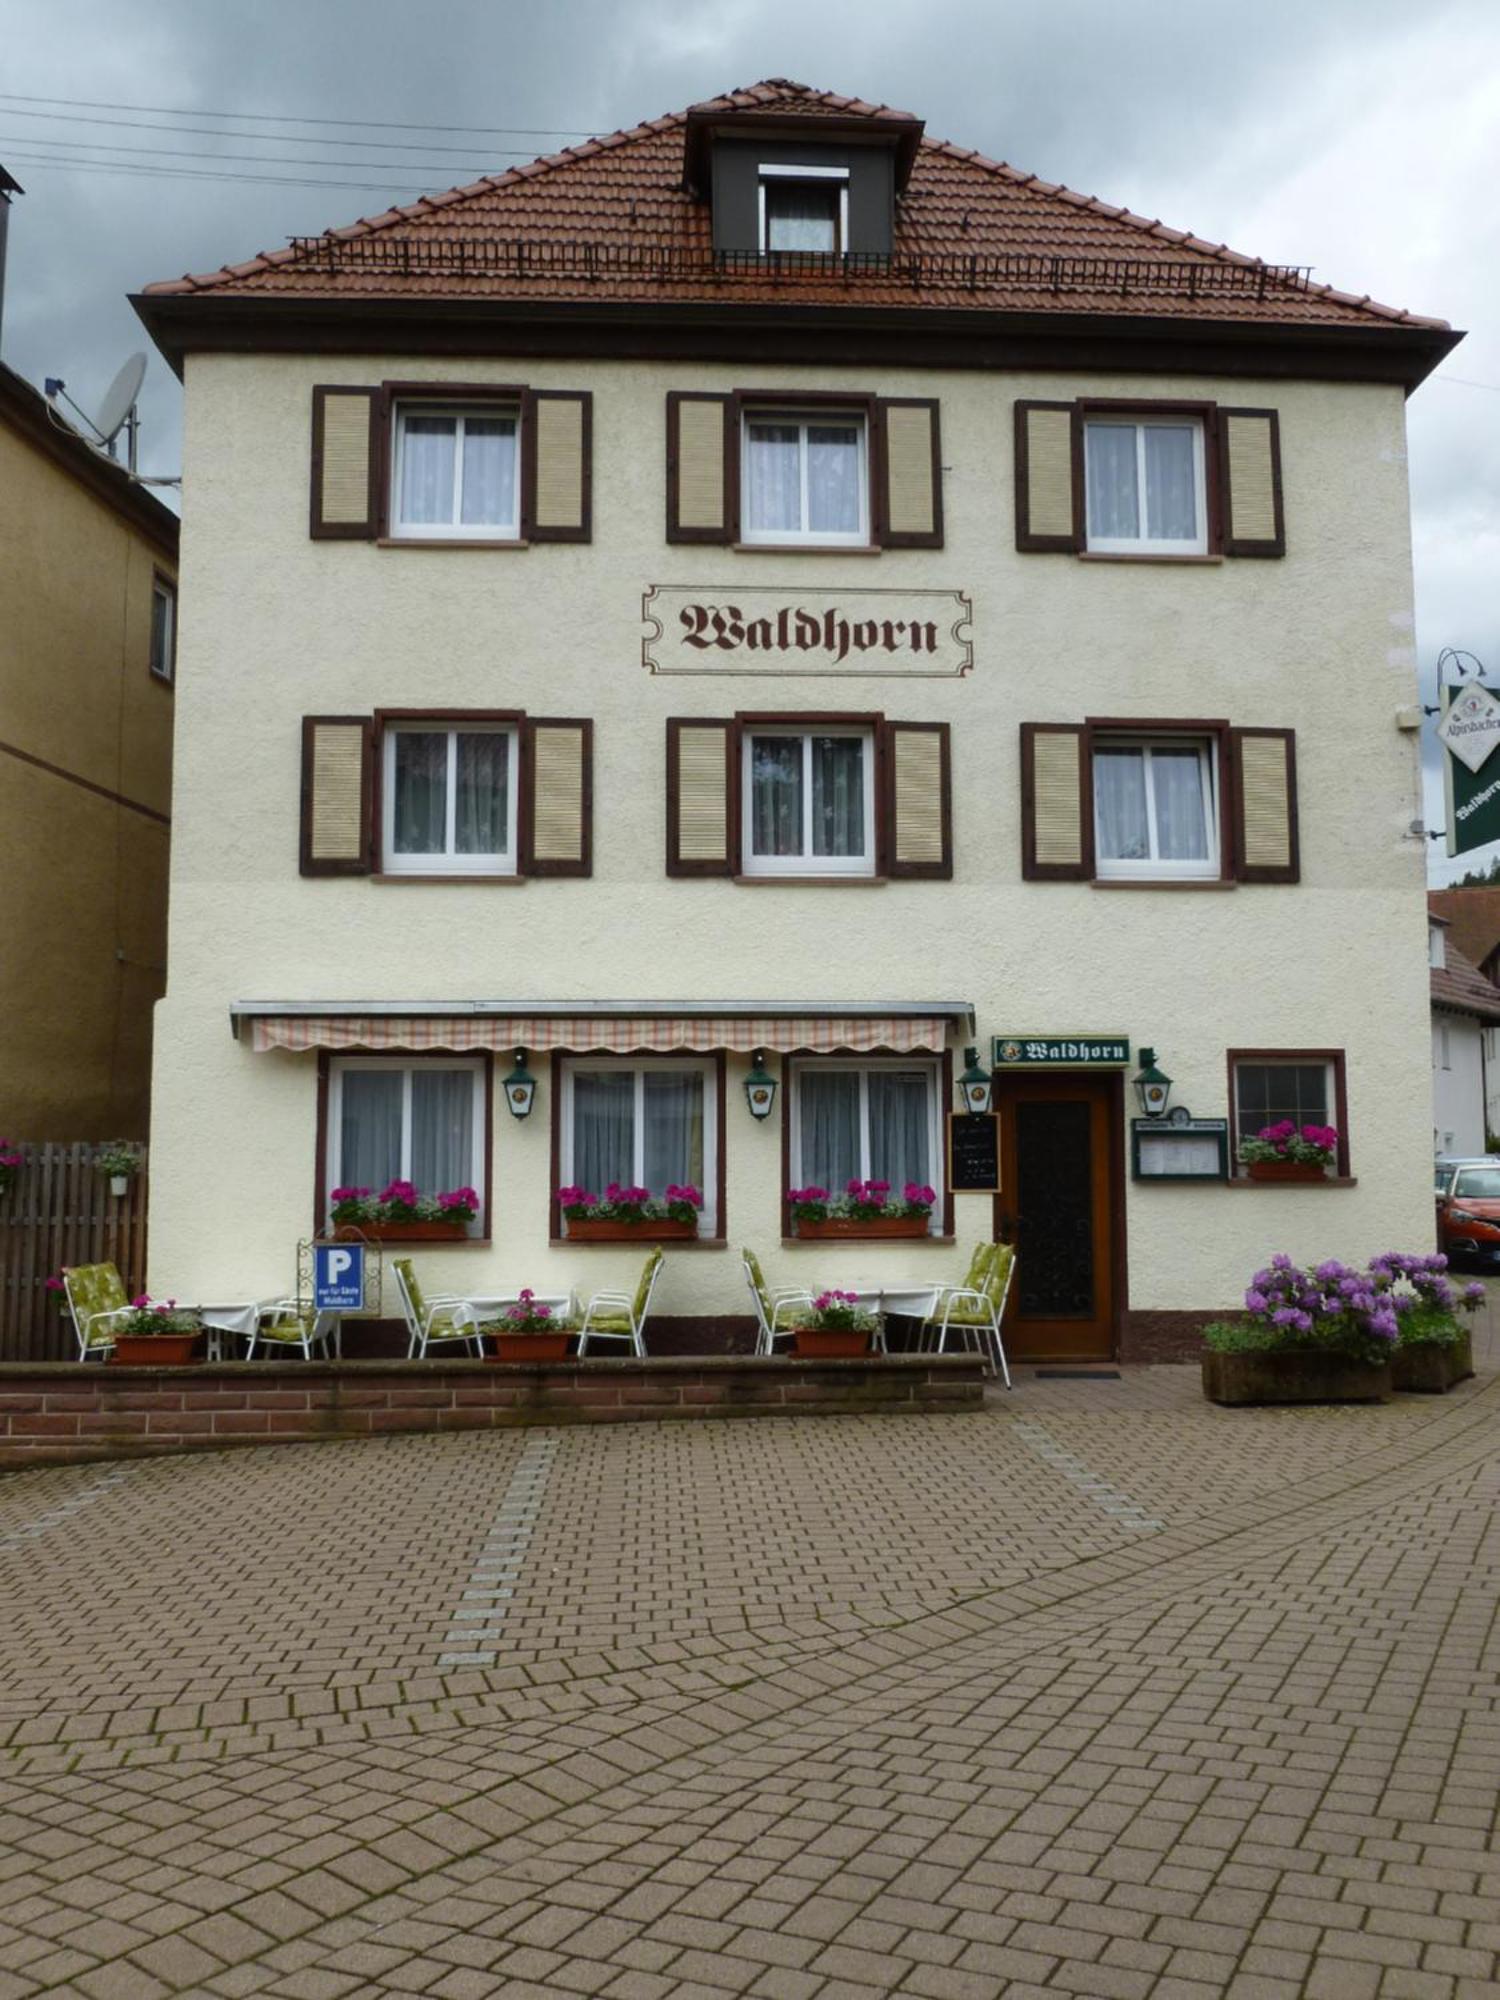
1458 1079
275 626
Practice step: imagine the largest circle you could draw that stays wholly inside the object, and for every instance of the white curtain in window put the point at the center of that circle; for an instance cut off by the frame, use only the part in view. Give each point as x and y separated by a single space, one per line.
482 797
427 448
442 1129
1171 506
1113 509
833 478
369 1128
776 795
603 1128
672 1136
489 488
800 217
838 795
828 1114
899 1138
1177 782
773 493
421 791
1120 805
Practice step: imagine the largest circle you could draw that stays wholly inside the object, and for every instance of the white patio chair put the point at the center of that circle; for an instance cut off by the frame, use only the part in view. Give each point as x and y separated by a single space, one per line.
772 1304
441 1320
96 1302
289 1323
972 1314
621 1315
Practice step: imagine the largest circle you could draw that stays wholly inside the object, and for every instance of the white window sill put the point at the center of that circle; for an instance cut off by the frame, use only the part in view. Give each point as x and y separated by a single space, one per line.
1145 556
790 881
454 879
450 542
1161 882
806 549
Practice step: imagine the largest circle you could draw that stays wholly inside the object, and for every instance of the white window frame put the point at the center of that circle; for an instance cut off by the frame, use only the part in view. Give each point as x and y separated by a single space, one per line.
805 537
1109 868
1147 544
453 529
932 1069
163 587
705 1067
789 173
449 862
339 1067
805 863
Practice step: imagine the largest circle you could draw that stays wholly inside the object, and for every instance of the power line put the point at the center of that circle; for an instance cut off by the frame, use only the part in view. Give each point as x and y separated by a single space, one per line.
256 159
1467 382
118 167
292 118
270 139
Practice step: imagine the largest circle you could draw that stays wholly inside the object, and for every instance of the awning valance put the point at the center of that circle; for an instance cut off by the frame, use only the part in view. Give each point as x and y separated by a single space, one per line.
459 1029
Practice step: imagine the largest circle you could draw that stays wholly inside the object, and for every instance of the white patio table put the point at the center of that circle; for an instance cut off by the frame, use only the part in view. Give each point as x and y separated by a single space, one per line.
895 1295
238 1319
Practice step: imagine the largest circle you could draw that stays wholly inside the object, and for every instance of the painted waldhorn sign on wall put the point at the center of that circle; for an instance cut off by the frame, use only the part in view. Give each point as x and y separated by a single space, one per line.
706 628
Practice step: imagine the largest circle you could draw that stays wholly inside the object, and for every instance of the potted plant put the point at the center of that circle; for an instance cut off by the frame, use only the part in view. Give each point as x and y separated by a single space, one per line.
528 1332
1324 1335
11 1162
864 1210
627 1214
838 1328
400 1214
1288 1152
1433 1347
120 1161
156 1335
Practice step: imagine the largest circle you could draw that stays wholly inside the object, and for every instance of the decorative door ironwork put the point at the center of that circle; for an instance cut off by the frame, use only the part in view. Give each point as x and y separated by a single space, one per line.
1055 1231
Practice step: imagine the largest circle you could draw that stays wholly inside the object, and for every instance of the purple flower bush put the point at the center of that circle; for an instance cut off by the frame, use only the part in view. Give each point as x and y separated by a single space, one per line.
1337 1308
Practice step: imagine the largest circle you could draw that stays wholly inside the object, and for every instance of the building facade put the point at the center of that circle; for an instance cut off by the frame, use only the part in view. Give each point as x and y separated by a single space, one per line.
858 603
88 596
1465 1021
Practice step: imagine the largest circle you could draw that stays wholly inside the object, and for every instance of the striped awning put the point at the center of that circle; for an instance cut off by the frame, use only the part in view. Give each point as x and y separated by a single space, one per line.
815 1029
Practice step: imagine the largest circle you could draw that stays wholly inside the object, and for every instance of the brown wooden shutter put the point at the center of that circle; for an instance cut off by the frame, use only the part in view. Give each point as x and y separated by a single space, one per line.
337 784
557 437
917 800
702 468
345 464
907 473
1249 444
1047 505
1263 764
702 833
558 797
1057 805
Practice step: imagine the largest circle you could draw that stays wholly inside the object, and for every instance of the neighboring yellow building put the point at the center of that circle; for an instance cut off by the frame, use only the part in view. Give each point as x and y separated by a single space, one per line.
88 568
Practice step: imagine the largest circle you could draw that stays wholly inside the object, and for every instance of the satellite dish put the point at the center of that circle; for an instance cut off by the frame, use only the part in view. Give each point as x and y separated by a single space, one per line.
119 398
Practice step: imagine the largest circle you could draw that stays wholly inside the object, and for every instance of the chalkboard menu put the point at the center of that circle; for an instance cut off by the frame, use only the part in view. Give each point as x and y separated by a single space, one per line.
974 1152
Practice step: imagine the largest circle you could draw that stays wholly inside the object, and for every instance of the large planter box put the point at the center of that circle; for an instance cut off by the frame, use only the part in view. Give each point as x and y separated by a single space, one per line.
847 1228
154 1350
1284 1170
829 1343
406 1232
661 1230
1294 1377
1431 1367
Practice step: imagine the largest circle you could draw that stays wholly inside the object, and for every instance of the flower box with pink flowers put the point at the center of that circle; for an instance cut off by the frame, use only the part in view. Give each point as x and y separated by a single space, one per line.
1289 1152
836 1328
527 1331
864 1212
630 1214
400 1213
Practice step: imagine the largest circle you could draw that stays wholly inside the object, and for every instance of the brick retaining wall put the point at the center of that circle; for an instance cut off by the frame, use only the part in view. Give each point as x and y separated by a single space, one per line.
67 1411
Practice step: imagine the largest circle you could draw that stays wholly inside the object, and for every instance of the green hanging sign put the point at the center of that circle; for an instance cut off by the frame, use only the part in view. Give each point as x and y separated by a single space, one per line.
1471 770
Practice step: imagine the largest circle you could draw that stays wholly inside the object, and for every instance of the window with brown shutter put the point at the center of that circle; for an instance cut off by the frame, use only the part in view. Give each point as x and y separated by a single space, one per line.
345 436
1264 766
908 473
559 796
337 785
702 475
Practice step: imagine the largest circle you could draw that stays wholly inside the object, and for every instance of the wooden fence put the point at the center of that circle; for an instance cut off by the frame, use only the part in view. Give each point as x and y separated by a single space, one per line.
59 1210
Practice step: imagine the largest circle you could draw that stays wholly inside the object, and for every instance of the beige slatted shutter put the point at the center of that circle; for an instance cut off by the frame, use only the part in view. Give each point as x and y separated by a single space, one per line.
557 460
918 801
559 797
700 460
701 831
1047 507
1250 483
345 503
1057 812
909 510
1264 764
337 766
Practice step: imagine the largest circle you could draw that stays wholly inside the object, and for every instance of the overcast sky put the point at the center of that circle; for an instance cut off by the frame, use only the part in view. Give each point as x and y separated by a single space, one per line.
1359 136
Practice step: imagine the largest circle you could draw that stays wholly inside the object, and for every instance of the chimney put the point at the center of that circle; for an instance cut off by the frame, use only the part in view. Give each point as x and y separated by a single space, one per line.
8 187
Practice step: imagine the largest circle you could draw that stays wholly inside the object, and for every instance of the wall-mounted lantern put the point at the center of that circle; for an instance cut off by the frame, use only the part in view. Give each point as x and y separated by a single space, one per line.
1153 1087
975 1088
520 1088
760 1087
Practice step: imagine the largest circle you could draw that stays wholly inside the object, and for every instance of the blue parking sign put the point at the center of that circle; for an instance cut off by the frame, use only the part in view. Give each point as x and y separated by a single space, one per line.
338 1277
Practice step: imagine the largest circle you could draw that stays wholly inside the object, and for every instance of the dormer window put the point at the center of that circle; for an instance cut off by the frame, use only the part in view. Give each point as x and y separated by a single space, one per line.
804 209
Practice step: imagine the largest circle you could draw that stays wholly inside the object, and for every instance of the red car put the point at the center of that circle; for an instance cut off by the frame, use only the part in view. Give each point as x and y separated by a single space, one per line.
1468 1210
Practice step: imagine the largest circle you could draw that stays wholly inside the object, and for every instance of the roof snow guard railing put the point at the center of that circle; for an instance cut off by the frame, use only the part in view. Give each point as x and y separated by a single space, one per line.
462 256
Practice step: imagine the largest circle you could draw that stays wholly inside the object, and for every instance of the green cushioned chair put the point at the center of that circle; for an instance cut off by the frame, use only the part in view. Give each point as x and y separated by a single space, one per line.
97 1302
621 1315
290 1323
972 1314
433 1322
772 1305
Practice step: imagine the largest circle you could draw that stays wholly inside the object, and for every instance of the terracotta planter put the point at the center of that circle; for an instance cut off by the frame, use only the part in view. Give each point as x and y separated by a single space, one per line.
407 1232
529 1346
599 1230
1431 1367
830 1343
154 1350
1284 1170
1296 1376
847 1227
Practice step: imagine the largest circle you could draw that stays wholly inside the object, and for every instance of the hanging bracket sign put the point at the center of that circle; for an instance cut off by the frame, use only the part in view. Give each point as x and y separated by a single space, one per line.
1470 732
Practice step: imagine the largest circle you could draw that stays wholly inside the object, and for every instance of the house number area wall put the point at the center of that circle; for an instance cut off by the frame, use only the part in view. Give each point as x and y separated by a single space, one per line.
760 629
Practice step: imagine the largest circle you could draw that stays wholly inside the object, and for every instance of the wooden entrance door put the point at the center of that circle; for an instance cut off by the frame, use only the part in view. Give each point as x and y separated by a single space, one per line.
1061 1139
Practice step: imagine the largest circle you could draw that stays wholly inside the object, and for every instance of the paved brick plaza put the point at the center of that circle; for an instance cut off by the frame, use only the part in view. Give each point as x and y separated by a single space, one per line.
1102 1692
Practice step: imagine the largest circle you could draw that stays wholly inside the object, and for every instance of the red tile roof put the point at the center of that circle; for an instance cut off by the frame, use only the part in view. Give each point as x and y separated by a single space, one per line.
610 220
1463 988
1475 918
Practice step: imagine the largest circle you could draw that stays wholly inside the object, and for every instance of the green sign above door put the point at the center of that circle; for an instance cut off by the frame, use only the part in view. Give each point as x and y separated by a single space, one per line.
1061 1051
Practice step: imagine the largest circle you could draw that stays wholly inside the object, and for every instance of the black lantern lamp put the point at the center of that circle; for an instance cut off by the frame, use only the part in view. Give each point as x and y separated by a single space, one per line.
520 1088
1153 1087
974 1086
760 1087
